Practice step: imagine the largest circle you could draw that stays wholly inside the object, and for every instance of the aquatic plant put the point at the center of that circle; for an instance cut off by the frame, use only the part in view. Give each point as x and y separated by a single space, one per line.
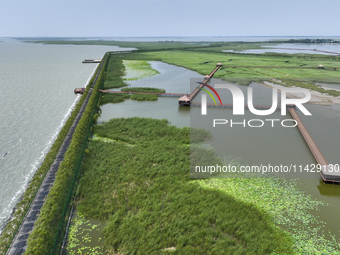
79 239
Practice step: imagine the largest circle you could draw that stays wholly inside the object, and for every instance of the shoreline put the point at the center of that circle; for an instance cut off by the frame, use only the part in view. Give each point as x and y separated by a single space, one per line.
317 98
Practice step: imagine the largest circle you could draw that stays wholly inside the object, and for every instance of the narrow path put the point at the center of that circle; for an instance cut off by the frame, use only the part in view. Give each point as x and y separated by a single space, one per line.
19 243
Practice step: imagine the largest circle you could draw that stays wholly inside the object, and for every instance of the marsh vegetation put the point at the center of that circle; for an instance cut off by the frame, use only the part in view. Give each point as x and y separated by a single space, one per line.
139 183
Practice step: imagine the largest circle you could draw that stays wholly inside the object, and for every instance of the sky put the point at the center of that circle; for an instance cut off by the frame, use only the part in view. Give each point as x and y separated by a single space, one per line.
129 18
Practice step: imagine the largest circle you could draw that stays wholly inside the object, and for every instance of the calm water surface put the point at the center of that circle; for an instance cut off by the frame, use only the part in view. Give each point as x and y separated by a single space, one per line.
293 48
36 98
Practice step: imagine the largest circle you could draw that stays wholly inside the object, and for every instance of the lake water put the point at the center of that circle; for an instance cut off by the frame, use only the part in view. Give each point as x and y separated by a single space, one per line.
36 98
329 85
294 48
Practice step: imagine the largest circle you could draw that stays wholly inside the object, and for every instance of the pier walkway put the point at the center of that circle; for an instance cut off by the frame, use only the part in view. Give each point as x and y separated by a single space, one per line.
327 174
19 243
260 107
150 93
206 79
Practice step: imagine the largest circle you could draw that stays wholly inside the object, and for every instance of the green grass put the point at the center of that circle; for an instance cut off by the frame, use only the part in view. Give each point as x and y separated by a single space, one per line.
145 194
114 73
137 70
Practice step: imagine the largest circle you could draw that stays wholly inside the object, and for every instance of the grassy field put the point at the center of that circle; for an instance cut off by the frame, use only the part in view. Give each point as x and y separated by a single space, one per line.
244 69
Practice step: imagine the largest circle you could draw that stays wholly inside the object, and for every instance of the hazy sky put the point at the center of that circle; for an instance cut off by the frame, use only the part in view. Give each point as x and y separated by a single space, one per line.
73 18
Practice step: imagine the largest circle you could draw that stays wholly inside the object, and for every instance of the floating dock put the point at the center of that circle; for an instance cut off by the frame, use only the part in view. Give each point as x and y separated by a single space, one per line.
91 61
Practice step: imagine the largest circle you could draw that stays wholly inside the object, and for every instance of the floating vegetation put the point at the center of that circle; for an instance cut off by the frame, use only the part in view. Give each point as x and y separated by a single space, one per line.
288 206
137 69
80 240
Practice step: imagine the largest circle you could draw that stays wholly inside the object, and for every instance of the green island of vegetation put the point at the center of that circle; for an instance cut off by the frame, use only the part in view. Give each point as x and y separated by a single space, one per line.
120 97
144 89
135 70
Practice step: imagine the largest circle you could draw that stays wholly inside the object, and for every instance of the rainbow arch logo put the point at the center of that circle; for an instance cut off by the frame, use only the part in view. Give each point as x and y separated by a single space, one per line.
209 93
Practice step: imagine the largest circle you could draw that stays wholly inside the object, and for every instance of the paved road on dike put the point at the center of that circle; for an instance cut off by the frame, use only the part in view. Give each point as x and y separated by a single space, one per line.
19 244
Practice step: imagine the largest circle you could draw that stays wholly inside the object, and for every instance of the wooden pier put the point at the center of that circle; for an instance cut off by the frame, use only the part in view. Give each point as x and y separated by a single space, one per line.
187 100
259 107
327 174
91 61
